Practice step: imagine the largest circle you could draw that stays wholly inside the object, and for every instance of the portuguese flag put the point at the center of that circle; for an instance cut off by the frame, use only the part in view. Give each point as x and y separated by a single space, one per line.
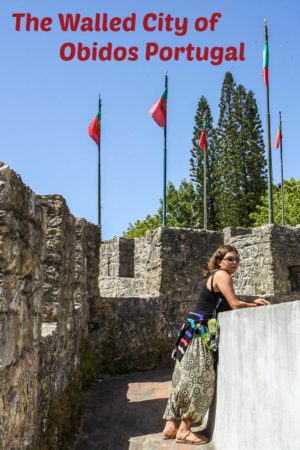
277 138
159 110
266 63
94 128
202 140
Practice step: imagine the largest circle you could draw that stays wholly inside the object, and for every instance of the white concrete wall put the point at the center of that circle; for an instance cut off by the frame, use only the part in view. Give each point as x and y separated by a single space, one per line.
258 393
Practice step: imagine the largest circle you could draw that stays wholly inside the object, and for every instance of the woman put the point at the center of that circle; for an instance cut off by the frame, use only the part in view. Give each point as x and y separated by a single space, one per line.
193 382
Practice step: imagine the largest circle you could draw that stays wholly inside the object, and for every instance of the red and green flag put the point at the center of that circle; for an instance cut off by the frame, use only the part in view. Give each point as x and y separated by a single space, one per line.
202 140
266 63
159 110
94 128
278 138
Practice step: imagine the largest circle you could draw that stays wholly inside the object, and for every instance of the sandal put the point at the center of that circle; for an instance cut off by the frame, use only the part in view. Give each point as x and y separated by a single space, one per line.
185 440
169 436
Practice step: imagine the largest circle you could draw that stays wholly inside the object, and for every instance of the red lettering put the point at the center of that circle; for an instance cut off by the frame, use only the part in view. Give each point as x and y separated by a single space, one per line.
133 54
67 51
32 22
231 54
178 51
214 19
105 52
151 50
129 23
120 53
242 51
146 19
45 24
166 53
216 55
105 22
70 51
201 24
94 51
83 52
18 17
115 24
69 21
200 56
189 50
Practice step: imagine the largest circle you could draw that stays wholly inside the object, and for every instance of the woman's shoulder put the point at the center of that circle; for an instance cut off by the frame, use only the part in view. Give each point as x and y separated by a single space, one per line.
216 273
221 275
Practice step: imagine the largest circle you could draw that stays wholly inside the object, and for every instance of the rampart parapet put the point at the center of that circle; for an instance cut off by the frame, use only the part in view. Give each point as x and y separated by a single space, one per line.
71 305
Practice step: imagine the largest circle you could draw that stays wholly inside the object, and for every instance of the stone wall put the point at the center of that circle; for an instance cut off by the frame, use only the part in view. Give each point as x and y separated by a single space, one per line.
133 334
255 276
167 262
270 263
22 250
49 270
185 254
135 272
59 300
135 320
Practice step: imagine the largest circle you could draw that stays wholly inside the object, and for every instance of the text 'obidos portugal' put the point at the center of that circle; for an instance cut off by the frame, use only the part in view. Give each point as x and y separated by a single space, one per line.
149 51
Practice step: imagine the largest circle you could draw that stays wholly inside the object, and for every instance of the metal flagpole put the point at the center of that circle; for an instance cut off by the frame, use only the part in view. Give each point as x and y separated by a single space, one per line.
269 154
99 169
204 190
165 163
281 165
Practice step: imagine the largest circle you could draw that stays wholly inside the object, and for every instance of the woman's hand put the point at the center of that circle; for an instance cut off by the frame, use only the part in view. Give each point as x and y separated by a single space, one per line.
261 302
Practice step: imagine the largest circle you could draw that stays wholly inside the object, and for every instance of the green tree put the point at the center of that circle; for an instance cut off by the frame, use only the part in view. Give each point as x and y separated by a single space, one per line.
225 135
240 166
254 181
291 203
181 205
140 227
203 114
236 168
181 211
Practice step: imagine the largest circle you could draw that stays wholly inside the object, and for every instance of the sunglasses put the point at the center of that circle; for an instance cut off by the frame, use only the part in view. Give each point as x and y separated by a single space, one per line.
232 259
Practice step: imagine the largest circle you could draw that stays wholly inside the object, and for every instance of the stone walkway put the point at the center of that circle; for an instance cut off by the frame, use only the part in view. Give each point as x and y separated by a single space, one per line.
125 413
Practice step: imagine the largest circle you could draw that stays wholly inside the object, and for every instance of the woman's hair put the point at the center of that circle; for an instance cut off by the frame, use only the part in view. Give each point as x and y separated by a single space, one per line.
218 255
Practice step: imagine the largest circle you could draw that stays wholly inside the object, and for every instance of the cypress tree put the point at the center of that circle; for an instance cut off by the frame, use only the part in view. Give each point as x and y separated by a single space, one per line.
241 164
224 168
203 113
255 160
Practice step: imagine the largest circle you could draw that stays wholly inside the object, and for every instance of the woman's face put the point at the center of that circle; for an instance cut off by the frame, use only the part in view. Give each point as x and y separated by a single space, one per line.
230 262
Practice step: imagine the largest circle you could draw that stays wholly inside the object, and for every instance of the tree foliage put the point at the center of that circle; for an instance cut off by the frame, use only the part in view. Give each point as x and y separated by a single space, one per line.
203 114
291 203
140 227
240 167
235 168
180 211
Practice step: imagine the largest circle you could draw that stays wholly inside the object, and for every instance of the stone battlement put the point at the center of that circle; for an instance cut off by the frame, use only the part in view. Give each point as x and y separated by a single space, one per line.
167 262
68 309
170 261
49 268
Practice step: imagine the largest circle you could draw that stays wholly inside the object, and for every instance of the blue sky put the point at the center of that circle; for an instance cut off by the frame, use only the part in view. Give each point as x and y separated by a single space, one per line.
47 103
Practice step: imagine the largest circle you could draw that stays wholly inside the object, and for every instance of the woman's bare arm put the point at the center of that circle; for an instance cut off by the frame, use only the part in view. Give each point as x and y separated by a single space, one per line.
223 283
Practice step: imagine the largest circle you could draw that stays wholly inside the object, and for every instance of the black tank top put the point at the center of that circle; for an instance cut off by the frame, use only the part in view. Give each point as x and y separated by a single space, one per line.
208 300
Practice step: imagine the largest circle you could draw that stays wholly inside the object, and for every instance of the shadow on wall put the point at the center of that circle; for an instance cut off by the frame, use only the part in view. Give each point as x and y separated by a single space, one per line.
121 408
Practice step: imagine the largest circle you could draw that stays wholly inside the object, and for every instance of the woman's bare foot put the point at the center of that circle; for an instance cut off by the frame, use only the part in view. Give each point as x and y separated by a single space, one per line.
170 430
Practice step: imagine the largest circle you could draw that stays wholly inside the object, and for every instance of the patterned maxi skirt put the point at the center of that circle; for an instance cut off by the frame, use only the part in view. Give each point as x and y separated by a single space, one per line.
193 384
